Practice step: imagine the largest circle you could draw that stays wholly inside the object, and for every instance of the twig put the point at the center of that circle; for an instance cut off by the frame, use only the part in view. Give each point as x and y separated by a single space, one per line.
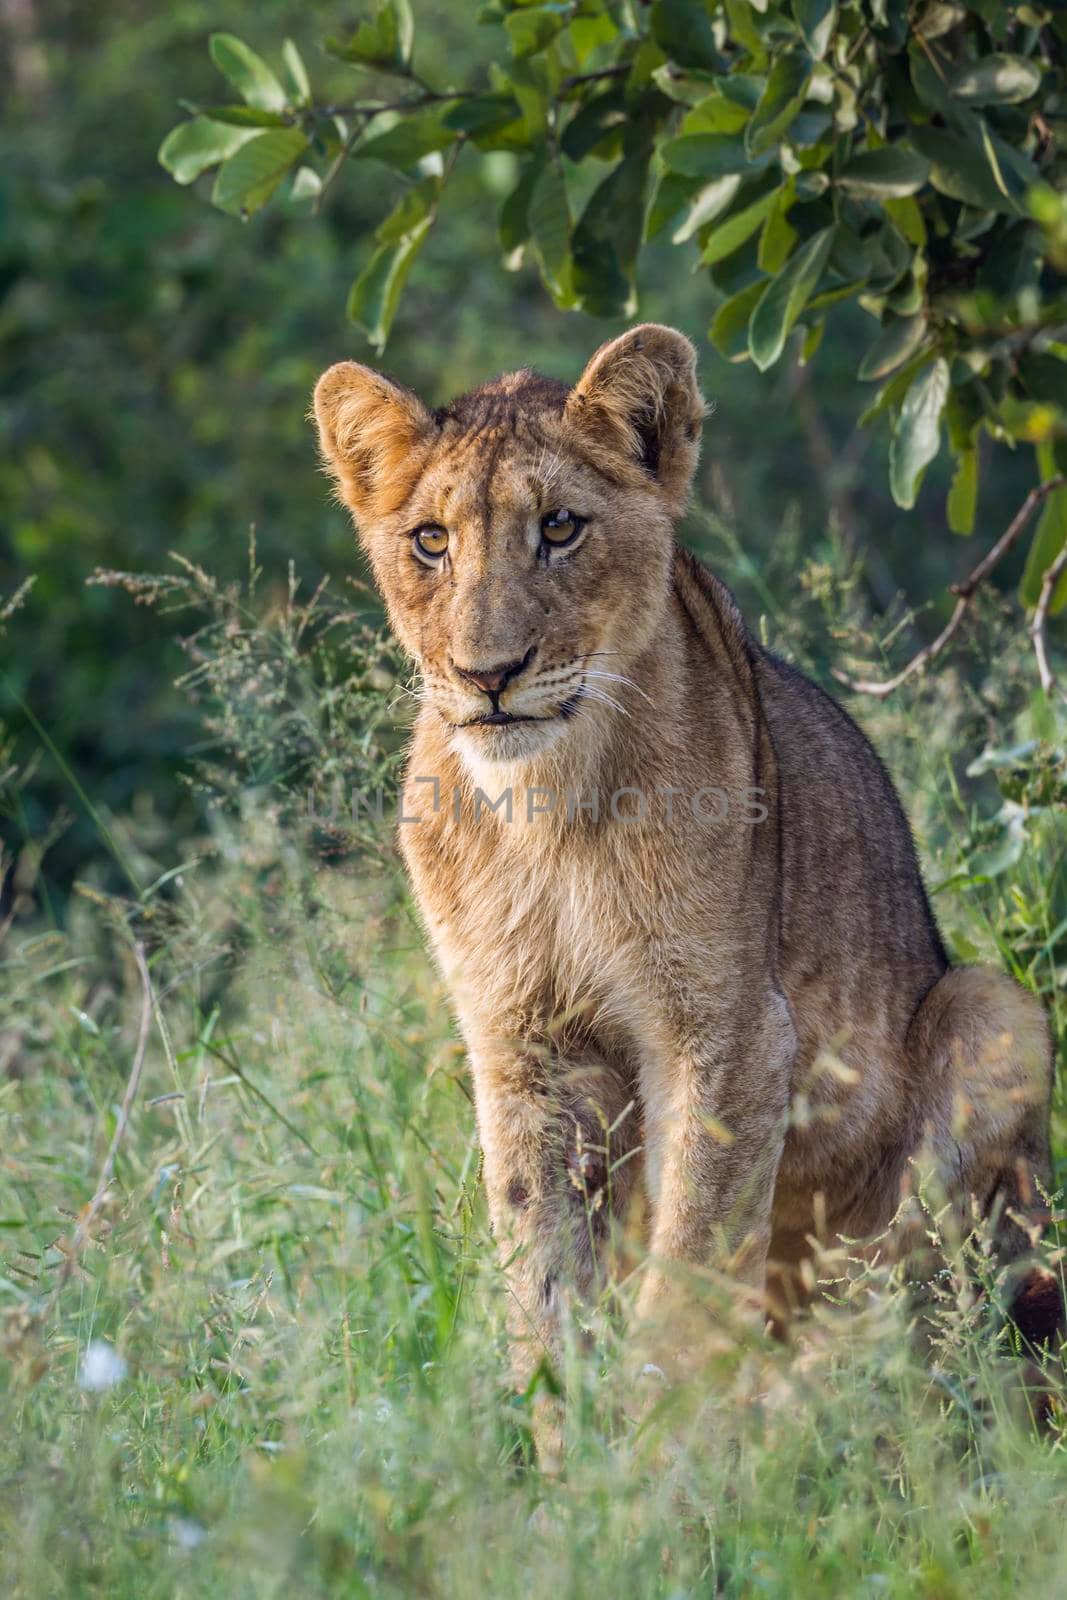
965 593
336 164
576 78
91 1211
374 108
1037 624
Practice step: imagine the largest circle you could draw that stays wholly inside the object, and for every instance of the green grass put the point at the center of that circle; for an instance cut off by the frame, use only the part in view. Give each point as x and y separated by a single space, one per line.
293 1264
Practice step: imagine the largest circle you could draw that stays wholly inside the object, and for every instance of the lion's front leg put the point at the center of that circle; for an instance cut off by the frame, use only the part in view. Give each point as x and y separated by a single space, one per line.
716 1110
555 1131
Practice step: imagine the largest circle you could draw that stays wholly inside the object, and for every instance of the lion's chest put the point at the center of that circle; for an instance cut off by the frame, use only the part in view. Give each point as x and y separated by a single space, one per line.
528 925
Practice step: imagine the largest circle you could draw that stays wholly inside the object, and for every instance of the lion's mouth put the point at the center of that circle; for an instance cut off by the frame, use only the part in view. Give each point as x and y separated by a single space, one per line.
507 719
499 719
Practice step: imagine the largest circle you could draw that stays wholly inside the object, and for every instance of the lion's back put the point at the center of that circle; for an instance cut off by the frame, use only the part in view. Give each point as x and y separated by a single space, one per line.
858 936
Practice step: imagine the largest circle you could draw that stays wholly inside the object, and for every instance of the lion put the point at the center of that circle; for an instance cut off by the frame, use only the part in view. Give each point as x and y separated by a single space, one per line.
666 877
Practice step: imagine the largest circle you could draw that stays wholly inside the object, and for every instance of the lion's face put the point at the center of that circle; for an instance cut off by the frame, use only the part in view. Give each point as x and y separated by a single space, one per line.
521 538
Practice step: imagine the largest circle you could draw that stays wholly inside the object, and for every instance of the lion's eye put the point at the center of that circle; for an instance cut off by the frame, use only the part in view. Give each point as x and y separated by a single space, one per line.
430 543
559 528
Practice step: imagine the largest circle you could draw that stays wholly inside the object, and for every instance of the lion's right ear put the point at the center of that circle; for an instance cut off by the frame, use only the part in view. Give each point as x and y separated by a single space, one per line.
374 436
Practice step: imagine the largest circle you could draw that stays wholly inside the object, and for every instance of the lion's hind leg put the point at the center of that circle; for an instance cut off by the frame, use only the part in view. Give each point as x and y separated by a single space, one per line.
984 1045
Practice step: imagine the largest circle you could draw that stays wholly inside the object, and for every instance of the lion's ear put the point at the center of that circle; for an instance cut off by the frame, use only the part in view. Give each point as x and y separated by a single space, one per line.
639 396
374 436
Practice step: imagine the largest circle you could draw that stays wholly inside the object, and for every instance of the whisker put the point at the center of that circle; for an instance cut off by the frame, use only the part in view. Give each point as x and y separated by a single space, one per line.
617 677
604 699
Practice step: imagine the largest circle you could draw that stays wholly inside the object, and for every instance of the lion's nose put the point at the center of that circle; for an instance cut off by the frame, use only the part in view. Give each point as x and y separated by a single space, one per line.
493 680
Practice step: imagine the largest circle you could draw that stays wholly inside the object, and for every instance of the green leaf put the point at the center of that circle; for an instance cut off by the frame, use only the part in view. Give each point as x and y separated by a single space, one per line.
708 155
514 224
897 342
890 258
375 294
307 185
785 297
250 76
782 98
812 341
246 181
385 42
608 237
738 270
246 117
886 174
550 229
832 297
686 88
601 118
410 211
590 31
496 121
682 29
997 80
778 236
961 169
404 145
891 395
816 20
672 193
716 113
192 147
299 84
534 27
733 232
742 30
908 217
917 434
729 327
851 255
742 88
962 503
709 202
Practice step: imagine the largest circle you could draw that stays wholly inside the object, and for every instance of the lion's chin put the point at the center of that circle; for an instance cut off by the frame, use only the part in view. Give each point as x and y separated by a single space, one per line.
483 745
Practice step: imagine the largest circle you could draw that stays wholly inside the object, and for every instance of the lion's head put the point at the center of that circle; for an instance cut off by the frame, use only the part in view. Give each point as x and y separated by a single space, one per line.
521 536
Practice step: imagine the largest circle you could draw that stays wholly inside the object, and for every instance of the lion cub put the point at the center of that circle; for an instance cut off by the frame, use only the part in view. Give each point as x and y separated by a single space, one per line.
666 877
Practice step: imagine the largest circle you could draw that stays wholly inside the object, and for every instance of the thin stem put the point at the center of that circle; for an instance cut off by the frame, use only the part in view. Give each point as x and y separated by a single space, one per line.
1040 617
372 108
965 593
90 1212
622 70
336 164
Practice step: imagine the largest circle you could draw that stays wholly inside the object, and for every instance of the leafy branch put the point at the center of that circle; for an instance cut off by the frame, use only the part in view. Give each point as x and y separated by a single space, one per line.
904 155
966 592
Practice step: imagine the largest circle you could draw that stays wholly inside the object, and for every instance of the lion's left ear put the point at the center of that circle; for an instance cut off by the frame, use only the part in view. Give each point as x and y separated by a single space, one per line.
639 397
374 435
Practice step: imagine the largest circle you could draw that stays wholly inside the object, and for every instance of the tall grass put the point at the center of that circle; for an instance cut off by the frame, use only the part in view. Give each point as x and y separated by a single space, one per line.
276 1366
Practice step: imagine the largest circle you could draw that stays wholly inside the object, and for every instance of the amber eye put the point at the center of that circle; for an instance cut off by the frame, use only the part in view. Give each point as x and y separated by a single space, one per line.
559 528
430 543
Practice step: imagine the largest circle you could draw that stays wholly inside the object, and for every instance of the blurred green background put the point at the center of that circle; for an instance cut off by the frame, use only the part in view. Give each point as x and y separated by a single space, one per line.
156 359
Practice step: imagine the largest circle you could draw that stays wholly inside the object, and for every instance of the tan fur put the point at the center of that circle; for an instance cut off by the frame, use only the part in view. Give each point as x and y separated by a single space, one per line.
771 1000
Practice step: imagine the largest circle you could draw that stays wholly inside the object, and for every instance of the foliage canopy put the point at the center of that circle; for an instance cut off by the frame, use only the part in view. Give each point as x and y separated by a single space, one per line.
907 156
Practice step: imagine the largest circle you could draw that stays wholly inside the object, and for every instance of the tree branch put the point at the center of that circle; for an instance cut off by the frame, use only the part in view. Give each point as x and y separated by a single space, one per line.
1037 624
965 593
